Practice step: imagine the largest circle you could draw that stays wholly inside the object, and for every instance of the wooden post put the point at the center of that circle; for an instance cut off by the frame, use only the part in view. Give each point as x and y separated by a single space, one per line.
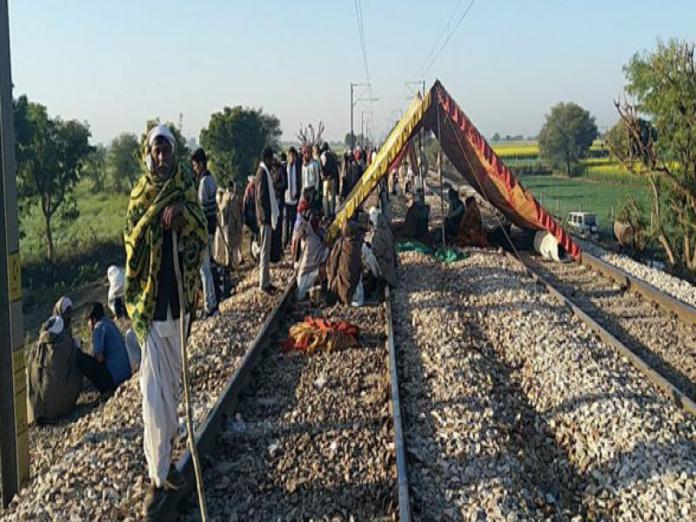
439 171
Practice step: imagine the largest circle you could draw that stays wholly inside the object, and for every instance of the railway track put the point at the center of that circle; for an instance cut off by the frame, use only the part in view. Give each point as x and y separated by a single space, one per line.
514 409
660 343
656 331
306 436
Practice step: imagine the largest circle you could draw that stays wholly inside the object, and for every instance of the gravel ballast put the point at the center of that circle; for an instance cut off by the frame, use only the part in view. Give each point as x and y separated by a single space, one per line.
514 410
96 470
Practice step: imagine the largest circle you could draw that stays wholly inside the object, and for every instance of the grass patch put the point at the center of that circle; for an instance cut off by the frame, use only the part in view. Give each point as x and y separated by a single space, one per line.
102 218
84 250
562 195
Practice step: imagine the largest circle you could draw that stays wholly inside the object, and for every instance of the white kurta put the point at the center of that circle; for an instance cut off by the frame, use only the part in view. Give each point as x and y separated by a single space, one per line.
160 385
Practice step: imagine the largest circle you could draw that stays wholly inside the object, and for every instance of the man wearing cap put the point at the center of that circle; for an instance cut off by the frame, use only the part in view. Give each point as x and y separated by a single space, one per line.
164 201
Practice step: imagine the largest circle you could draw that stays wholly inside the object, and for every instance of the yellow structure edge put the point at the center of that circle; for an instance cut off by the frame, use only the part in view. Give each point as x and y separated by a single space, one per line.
387 153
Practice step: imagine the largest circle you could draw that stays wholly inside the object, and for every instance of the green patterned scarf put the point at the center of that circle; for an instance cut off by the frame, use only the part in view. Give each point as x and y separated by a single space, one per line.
144 239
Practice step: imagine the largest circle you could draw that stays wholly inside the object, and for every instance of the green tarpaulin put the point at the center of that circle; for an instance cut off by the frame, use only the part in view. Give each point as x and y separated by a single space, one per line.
446 255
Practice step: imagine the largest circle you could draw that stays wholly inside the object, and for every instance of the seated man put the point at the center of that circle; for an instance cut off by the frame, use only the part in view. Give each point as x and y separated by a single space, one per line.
471 231
314 253
454 215
416 221
53 377
110 365
344 266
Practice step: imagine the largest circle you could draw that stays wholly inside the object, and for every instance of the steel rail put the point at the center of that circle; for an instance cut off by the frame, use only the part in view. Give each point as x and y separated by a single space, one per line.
226 403
679 398
667 302
684 311
400 443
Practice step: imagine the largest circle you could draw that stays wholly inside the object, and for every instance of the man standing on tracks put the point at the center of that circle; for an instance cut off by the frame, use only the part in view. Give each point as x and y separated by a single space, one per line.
310 174
267 216
329 174
163 200
207 190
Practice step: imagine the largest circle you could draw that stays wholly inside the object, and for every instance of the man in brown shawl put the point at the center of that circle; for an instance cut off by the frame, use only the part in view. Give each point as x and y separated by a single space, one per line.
53 378
471 231
383 247
344 266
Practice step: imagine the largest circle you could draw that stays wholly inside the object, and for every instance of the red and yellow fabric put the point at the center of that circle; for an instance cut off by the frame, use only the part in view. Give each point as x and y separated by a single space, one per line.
315 334
471 155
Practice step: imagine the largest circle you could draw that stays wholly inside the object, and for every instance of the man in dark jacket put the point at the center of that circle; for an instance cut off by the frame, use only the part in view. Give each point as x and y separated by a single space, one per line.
455 214
266 216
353 174
416 221
280 184
292 194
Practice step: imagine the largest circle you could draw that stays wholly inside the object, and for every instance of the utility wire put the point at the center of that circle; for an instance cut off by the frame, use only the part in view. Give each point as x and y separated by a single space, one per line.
449 36
442 33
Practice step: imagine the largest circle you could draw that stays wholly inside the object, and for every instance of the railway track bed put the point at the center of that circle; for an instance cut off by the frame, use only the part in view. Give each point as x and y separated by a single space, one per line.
312 435
665 342
514 410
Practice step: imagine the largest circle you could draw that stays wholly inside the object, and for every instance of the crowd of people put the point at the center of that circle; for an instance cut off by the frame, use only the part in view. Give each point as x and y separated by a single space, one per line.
183 236
184 233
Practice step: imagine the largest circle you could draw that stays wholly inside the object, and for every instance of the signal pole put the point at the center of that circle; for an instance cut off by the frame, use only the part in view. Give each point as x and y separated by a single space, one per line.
14 448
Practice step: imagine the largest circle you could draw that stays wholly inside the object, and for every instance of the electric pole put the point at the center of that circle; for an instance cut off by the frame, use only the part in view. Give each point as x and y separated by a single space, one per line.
14 448
421 174
353 103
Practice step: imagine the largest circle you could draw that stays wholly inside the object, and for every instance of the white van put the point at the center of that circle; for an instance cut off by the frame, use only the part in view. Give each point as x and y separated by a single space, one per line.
584 224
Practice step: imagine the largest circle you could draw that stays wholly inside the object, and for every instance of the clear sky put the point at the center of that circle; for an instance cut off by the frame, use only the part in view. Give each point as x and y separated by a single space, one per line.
117 63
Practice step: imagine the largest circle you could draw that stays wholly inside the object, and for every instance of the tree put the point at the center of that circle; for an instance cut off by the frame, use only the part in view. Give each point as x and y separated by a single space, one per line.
622 147
94 168
359 138
495 137
124 161
235 138
662 85
567 135
50 155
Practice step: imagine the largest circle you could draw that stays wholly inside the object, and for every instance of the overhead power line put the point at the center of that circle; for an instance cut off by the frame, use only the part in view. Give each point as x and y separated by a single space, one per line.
430 54
449 35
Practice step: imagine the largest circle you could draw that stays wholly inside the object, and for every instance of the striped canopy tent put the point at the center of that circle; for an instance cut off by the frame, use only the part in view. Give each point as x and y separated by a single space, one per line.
472 157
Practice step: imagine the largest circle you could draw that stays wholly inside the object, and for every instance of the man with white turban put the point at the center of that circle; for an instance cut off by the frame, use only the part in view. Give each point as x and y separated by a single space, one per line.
164 201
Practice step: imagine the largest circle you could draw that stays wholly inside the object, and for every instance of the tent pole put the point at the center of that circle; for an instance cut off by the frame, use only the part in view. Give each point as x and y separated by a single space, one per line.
439 170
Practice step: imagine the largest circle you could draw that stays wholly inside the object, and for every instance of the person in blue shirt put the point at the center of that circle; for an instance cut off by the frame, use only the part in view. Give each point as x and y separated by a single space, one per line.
109 366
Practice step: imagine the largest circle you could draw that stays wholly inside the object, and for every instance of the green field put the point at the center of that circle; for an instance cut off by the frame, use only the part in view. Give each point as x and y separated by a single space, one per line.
84 250
101 219
561 195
